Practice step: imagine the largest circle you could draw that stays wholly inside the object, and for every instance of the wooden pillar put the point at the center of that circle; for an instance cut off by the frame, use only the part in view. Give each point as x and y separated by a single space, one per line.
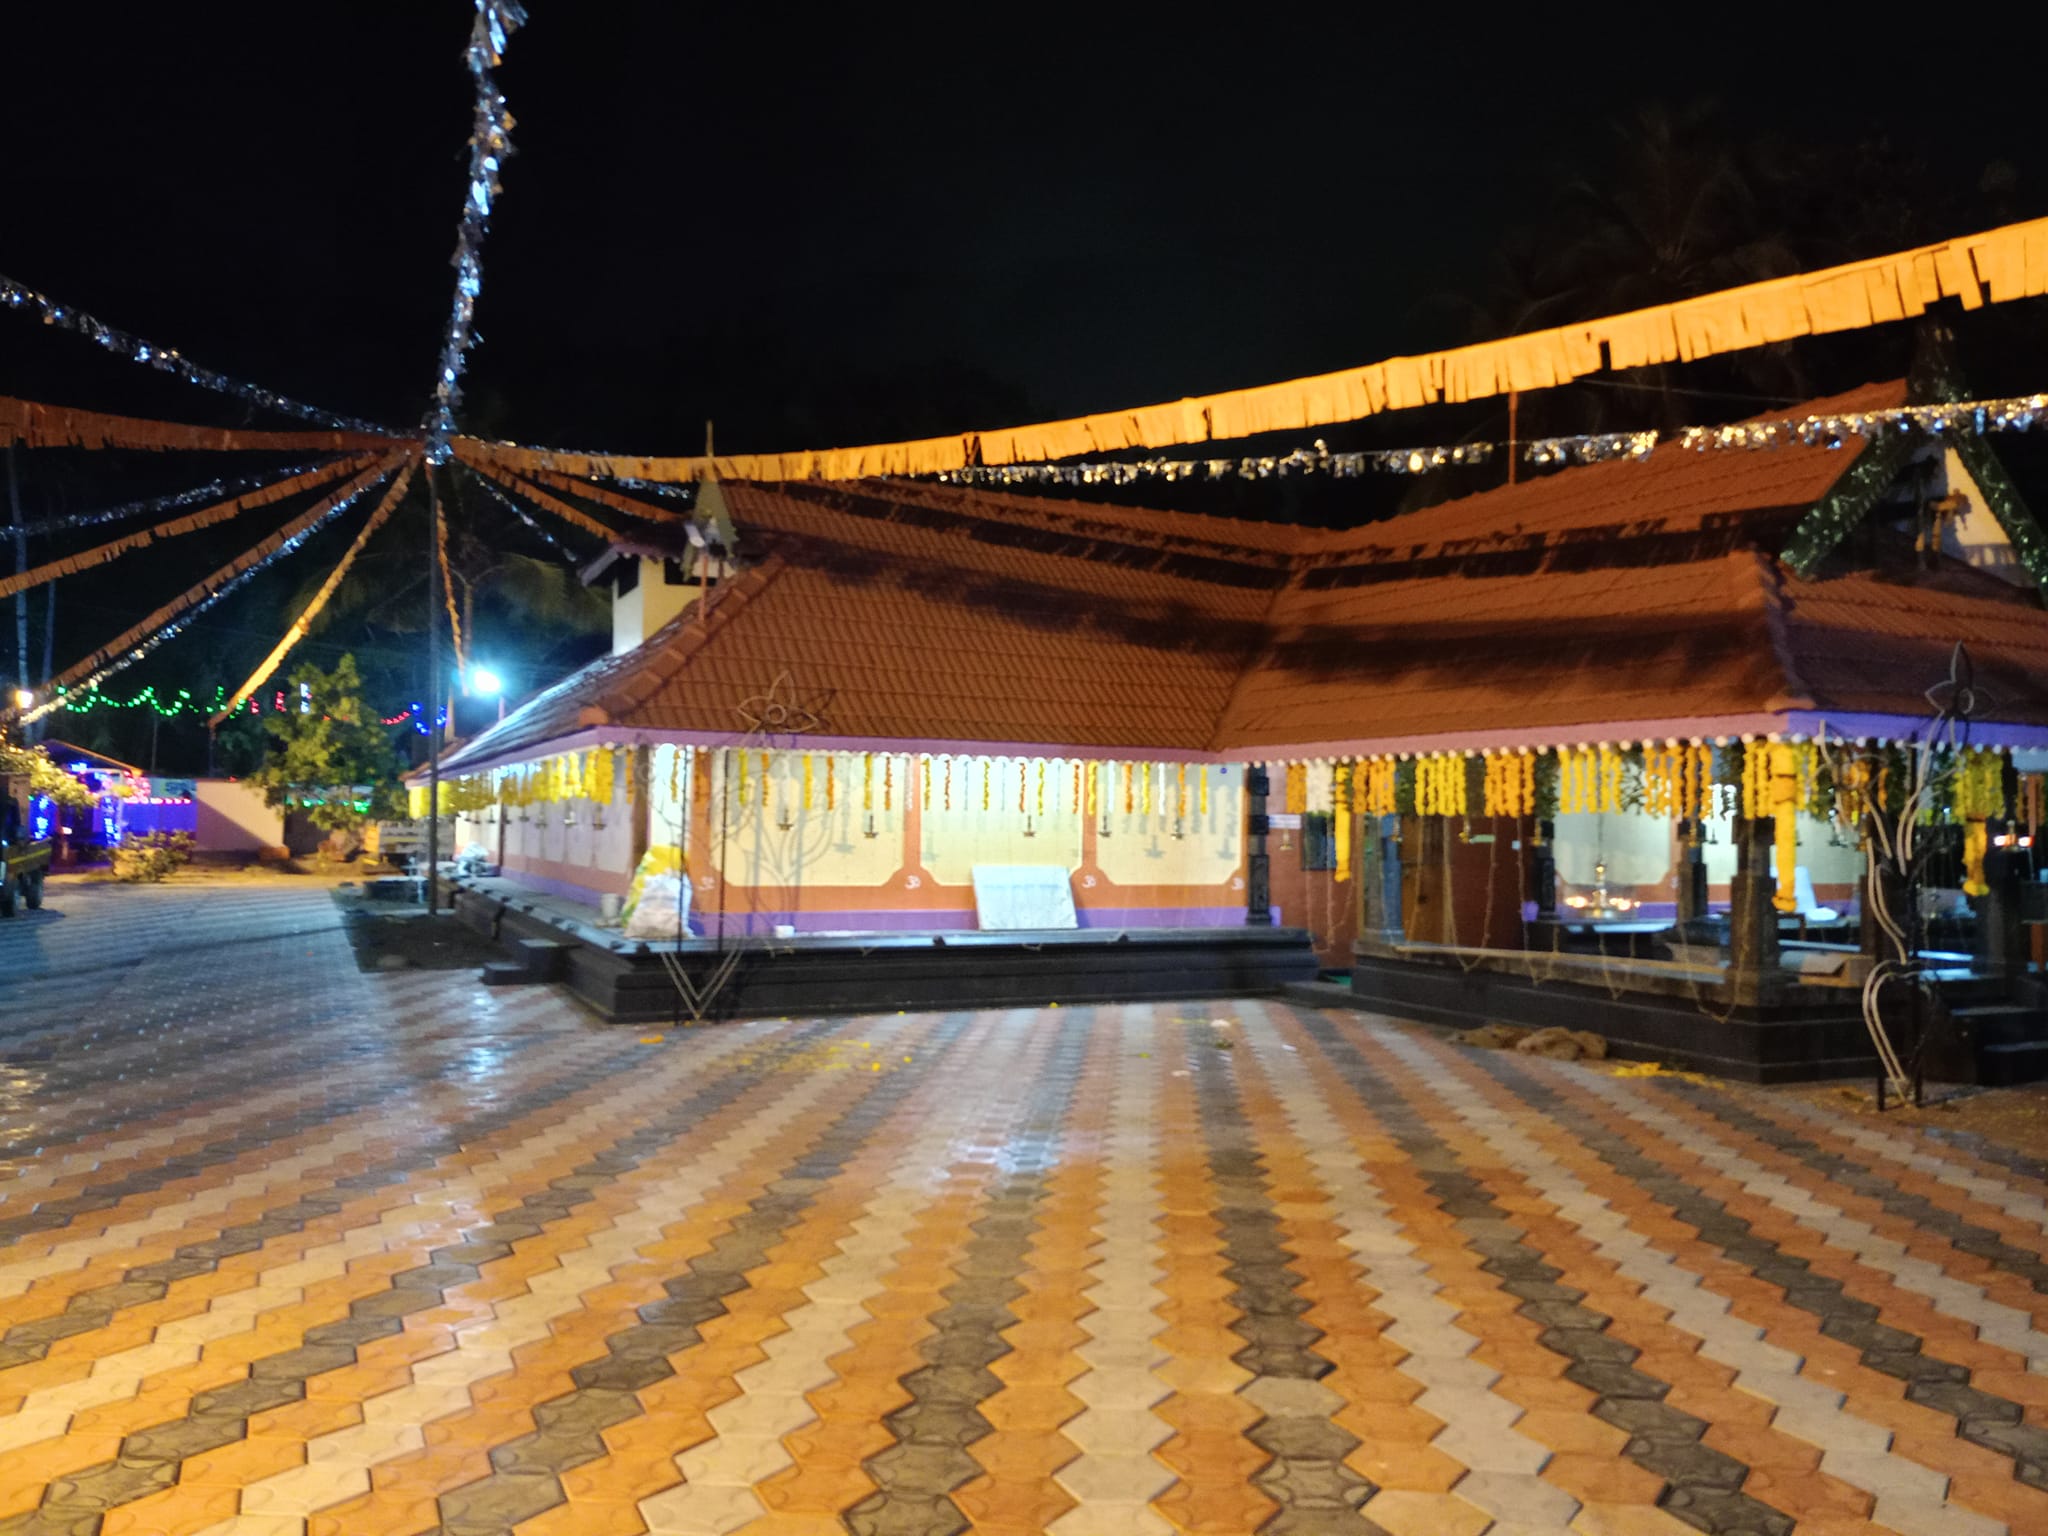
638 779
1258 881
1425 901
1753 974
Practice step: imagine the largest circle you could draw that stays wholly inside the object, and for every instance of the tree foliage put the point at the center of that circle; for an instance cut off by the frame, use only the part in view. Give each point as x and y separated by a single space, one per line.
43 776
331 759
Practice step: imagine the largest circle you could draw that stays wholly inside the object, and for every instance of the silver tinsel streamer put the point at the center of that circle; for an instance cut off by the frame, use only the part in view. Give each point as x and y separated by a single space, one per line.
68 317
490 146
523 515
1302 461
185 620
213 490
2018 413
683 493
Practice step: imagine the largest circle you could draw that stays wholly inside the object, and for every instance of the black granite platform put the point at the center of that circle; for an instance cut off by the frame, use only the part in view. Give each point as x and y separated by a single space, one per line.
1989 1029
629 981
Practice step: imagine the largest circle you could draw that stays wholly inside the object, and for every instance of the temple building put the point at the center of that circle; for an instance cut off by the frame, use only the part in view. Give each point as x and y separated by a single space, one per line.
1593 738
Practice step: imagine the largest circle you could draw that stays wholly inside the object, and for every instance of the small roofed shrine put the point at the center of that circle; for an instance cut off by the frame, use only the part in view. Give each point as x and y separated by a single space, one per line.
1604 748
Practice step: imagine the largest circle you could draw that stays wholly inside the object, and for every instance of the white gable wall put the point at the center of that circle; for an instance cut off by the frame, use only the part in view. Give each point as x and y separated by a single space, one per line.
1974 537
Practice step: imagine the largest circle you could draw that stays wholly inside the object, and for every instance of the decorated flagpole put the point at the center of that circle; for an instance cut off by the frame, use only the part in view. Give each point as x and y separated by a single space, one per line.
433 885
489 144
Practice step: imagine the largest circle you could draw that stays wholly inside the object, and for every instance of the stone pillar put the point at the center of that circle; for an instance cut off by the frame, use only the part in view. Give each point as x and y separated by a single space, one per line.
1379 884
1542 846
1692 873
1258 880
2001 942
1753 973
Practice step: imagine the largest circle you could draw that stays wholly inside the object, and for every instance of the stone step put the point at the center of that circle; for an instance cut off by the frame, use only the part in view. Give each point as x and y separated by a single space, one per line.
2018 1061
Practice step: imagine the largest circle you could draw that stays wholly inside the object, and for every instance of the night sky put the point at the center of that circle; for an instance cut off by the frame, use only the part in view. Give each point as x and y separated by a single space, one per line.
797 221
838 226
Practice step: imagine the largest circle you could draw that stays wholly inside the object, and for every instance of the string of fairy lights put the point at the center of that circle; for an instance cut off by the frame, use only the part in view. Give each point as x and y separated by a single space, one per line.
176 703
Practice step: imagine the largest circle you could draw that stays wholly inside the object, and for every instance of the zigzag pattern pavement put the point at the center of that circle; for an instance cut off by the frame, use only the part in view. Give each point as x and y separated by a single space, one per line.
291 1250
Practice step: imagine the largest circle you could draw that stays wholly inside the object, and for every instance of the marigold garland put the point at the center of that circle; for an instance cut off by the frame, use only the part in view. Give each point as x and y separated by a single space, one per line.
1180 798
1380 791
1202 793
1297 788
867 781
1510 784
888 781
1127 789
949 783
831 782
1040 802
1782 800
1340 806
1440 785
1756 781
1852 791
1977 794
807 781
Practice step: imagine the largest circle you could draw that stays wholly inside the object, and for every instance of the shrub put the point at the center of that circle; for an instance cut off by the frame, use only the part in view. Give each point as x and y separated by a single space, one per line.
152 857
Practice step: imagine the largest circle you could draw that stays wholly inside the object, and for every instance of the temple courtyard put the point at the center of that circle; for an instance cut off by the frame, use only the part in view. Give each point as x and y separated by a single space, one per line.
288 1245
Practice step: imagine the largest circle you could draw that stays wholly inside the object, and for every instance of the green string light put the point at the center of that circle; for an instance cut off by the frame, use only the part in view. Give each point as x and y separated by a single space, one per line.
1846 504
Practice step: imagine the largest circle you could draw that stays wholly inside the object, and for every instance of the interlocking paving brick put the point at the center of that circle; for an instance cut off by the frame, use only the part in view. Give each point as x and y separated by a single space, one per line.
291 1250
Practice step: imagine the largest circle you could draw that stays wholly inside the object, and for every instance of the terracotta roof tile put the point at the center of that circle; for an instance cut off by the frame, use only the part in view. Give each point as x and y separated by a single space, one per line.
1622 591
1670 493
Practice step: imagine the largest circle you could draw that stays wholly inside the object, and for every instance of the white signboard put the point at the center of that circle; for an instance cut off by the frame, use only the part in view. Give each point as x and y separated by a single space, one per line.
1017 896
1285 821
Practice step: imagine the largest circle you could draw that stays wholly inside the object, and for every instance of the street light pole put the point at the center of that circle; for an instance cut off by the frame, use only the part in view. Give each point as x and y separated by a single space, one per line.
433 893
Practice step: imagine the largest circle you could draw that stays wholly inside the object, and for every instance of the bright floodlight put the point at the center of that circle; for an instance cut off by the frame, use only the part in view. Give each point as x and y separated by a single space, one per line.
23 698
484 682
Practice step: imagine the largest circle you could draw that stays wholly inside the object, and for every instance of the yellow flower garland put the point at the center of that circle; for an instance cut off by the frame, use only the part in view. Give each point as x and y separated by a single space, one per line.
1340 804
1784 790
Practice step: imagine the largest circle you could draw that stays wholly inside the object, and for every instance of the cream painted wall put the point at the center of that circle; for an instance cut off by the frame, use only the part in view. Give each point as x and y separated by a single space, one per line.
821 846
1822 852
830 847
958 839
649 606
1975 537
230 816
1142 850
1637 848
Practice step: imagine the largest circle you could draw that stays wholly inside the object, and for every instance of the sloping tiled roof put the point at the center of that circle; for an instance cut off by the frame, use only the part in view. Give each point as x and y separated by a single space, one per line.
1862 642
920 612
1624 591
